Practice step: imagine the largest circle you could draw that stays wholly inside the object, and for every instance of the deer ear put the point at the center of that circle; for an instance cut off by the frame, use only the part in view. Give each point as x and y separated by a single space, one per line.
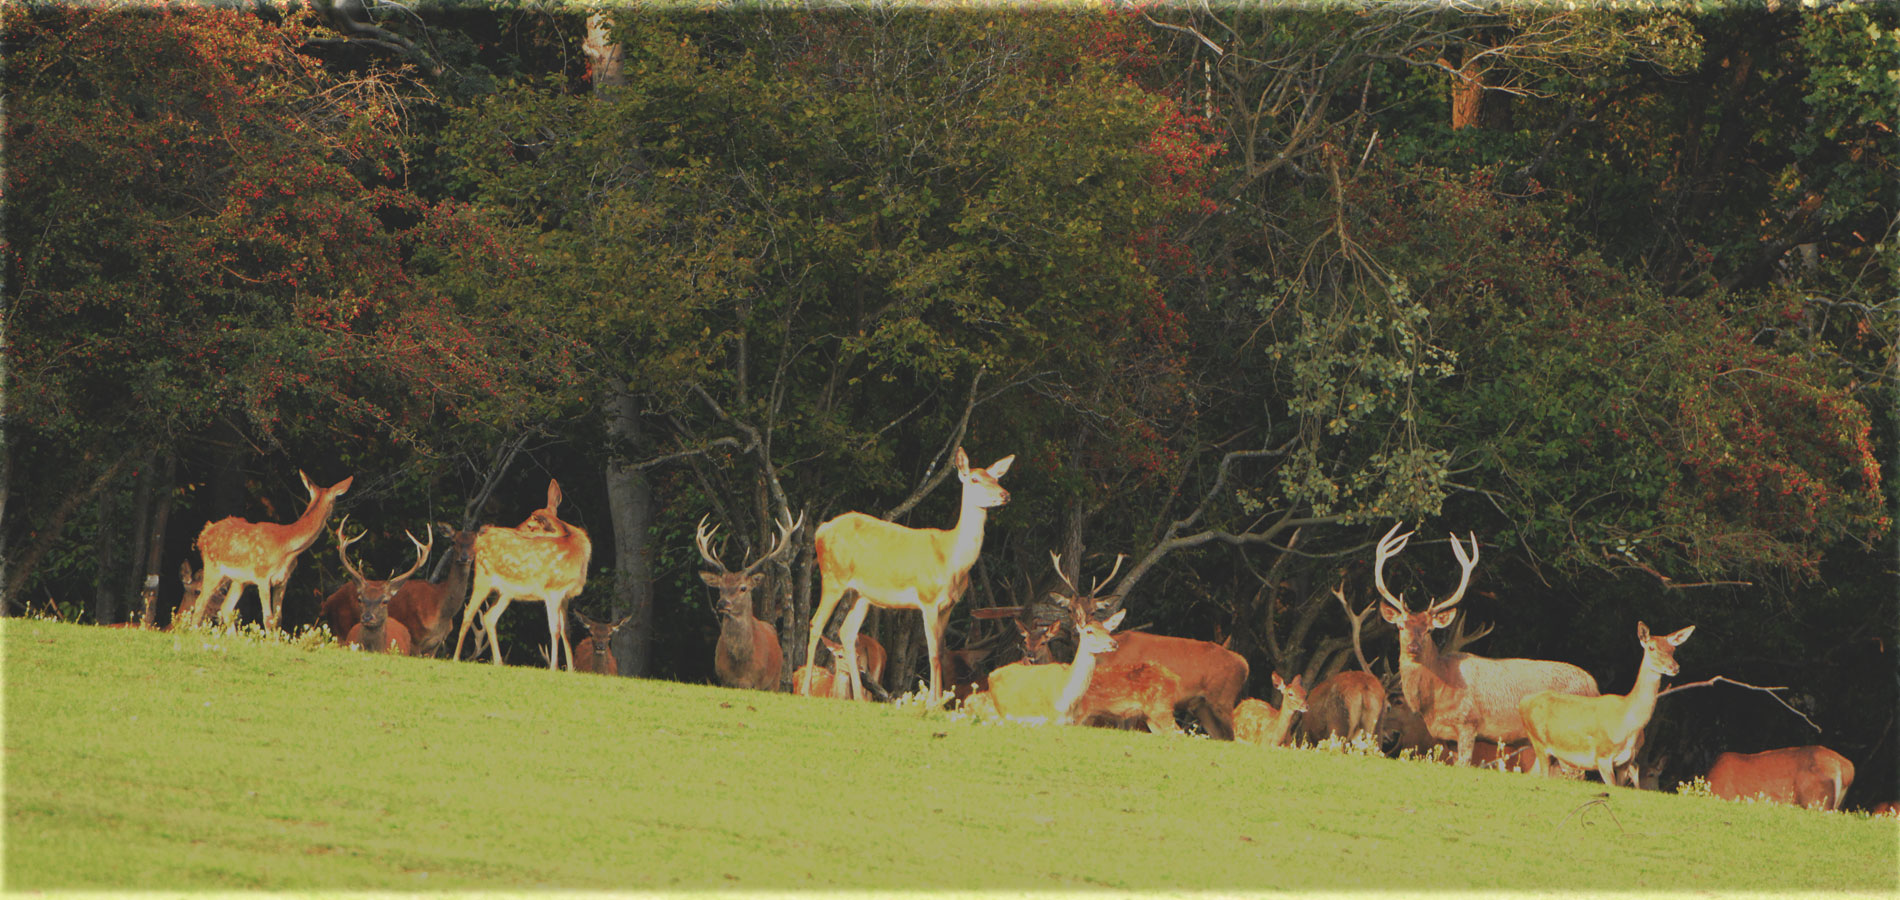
341 486
962 461
1113 622
1442 618
711 579
1642 631
1391 613
1680 636
757 579
1001 466
308 485
554 494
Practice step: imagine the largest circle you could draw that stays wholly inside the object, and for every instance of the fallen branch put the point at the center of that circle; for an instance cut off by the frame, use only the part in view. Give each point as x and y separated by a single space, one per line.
1753 687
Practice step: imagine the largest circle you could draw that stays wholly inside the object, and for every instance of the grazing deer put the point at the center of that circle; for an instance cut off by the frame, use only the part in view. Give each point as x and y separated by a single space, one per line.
1257 722
543 561
193 582
1052 691
258 554
1211 676
1463 697
748 654
593 654
376 631
1601 732
889 565
1812 776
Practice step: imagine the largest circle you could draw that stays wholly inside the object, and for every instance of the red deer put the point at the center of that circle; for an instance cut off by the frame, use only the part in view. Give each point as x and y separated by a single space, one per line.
1126 696
427 608
377 631
888 565
260 555
1349 703
1051 691
593 654
748 654
1211 676
1463 697
1257 722
544 561
1601 732
1813 776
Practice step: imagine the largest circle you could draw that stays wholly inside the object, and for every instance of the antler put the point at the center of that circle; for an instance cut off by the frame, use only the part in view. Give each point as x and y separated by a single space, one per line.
422 554
703 537
343 546
1389 546
1358 620
779 545
1056 559
1101 582
1466 563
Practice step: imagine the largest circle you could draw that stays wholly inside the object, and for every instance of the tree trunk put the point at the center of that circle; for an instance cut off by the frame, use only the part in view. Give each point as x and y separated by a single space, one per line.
630 501
108 538
605 58
162 492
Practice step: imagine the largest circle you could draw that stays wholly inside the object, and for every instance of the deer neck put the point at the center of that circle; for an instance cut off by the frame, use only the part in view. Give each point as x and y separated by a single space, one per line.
1282 720
1641 702
304 531
735 637
1080 672
966 539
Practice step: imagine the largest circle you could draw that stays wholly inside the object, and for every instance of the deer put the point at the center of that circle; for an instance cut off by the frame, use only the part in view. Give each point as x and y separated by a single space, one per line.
1460 696
1257 722
1128 696
427 608
542 561
1211 676
1601 732
1813 776
889 565
260 555
1349 703
1051 692
377 631
811 680
747 654
593 654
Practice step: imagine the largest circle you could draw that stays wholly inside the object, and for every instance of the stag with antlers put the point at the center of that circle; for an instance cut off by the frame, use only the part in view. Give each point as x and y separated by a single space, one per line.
748 654
1459 696
377 632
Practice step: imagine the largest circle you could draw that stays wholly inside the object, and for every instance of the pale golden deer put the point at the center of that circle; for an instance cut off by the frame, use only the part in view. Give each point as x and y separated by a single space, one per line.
543 561
889 565
1050 692
1812 776
1459 696
376 630
747 654
1257 722
258 554
1601 732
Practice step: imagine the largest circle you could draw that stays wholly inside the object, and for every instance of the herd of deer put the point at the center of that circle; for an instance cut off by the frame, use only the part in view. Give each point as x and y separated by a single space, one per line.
1530 711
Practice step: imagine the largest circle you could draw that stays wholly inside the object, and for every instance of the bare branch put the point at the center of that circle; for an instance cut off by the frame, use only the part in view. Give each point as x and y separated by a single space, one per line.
1770 691
939 471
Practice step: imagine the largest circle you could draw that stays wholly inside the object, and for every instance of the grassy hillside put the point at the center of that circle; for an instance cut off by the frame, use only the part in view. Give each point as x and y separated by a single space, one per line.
155 761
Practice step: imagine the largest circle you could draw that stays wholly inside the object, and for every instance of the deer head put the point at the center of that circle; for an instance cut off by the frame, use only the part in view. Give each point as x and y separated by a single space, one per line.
735 588
375 595
1415 629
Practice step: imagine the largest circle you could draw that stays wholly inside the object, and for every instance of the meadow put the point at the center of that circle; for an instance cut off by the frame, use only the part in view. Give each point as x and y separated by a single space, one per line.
205 762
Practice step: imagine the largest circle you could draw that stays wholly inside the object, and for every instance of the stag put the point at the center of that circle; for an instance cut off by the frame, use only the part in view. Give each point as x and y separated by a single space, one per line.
593 654
748 654
377 631
1459 696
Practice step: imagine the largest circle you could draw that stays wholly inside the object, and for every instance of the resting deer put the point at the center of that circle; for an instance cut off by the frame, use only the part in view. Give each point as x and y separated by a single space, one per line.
1130 696
1257 722
1812 776
377 631
1463 697
593 653
1051 691
748 654
427 608
543 561
826 681
1601 732
888 565
258 554
1211 676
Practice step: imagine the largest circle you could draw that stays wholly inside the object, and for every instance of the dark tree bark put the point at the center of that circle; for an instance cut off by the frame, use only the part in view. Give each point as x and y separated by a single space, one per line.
630 502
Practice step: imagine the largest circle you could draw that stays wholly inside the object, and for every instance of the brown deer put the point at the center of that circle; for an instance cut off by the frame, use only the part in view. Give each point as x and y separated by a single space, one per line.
260 555
427 608
889 565
1463 697
593 654
1812 776
1601 732
543 561
1257 722
747 654
1349 703
1141 695
825 681
1211 676
377 631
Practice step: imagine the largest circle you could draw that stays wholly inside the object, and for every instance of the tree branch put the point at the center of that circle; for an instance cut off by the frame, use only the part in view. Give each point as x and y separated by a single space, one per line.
1766 690
940 471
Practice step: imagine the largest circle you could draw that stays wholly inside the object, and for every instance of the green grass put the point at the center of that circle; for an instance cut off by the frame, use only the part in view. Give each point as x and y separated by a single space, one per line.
139 760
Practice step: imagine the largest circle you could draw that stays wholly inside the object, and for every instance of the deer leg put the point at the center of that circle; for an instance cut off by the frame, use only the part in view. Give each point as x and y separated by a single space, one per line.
213 583
489 619
848 636
935 619
1467 742
557 636
228 610
828 597
469 611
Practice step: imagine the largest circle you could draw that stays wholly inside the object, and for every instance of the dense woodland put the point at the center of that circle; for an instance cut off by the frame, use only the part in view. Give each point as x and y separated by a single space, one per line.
1612 289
